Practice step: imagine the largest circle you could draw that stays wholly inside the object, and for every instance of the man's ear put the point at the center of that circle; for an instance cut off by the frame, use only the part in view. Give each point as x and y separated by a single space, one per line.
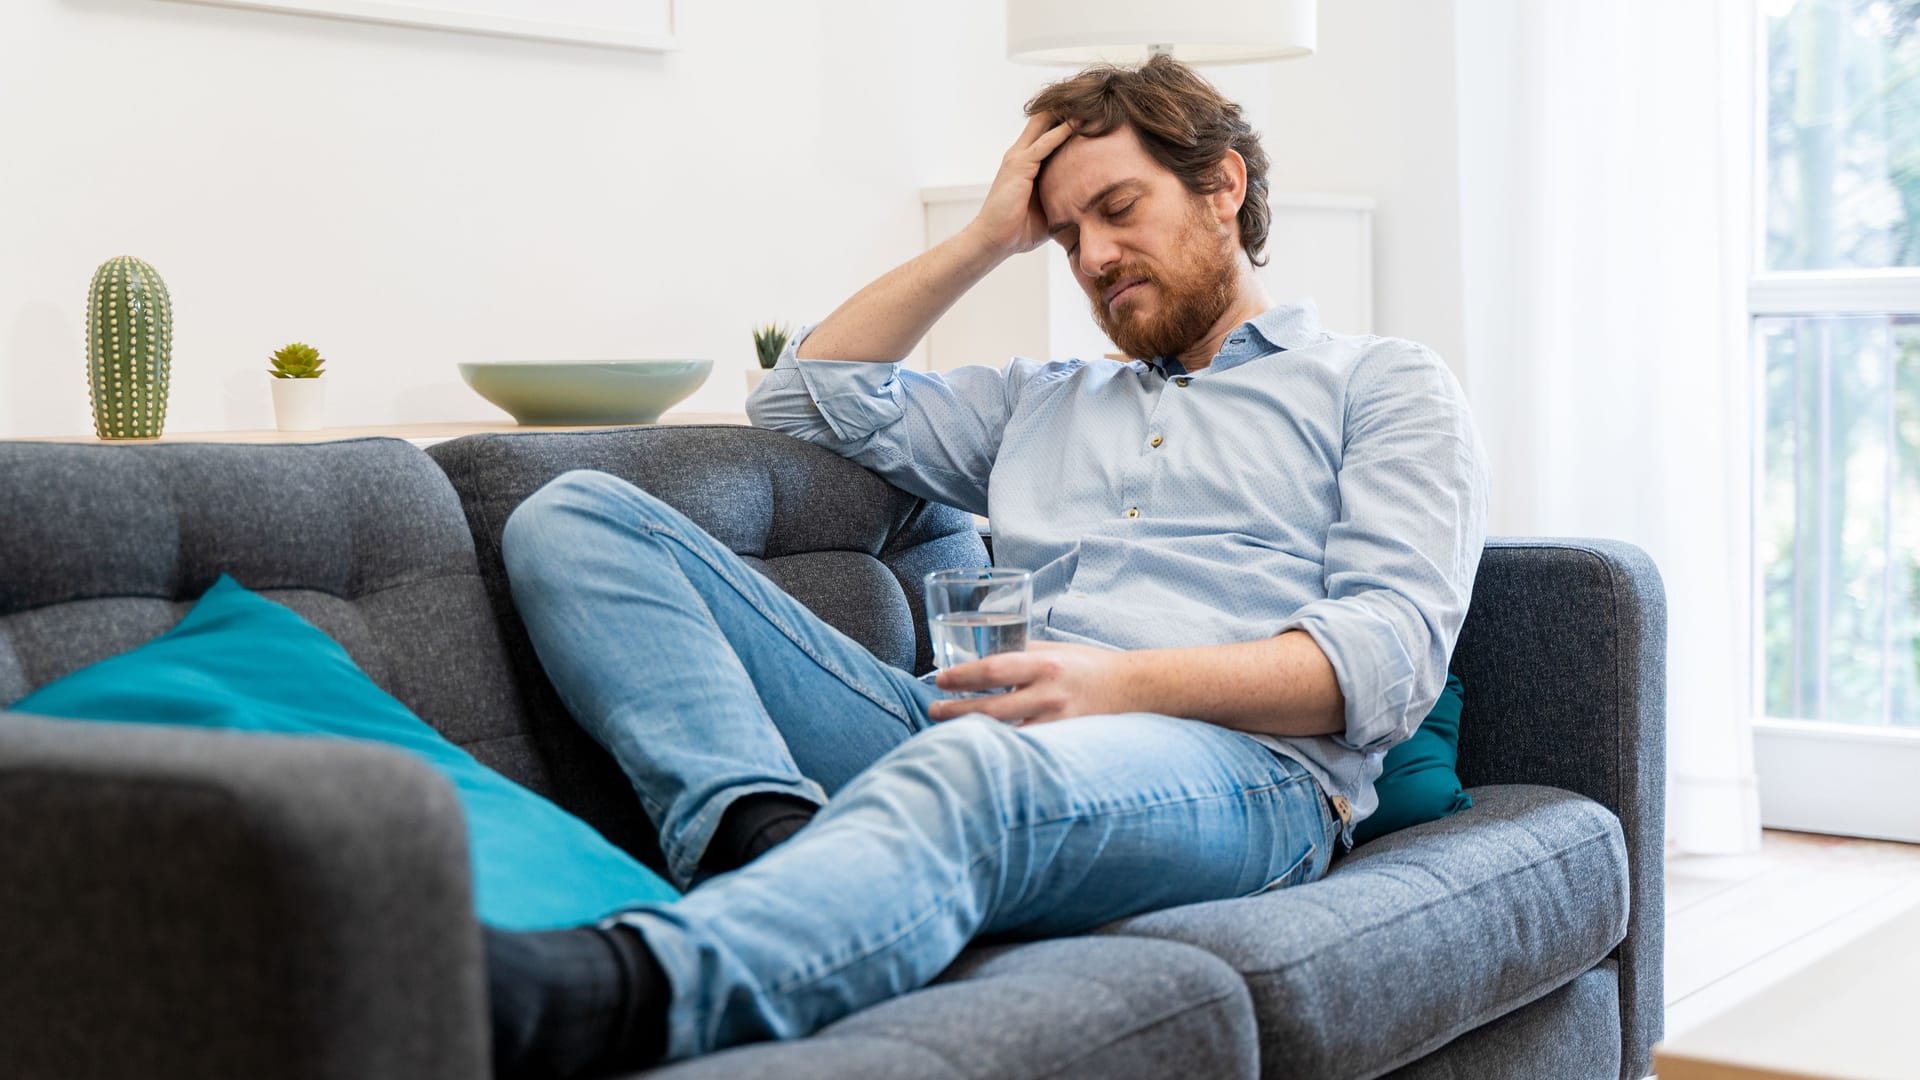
1232 195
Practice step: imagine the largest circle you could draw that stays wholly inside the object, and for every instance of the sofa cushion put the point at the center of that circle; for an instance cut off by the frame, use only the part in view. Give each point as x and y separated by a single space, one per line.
1098 1008
847 544
105 547
1417 783
1422 935
239 662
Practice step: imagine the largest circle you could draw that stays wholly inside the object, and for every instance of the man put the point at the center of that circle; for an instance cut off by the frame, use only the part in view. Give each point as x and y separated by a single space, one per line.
1253 547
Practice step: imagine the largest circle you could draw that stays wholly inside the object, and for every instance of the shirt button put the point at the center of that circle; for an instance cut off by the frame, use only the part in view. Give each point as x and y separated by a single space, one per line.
1155 441
1133 511
1181 381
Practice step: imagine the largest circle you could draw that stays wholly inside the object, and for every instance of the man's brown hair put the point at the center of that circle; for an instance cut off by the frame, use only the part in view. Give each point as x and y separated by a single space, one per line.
1182 121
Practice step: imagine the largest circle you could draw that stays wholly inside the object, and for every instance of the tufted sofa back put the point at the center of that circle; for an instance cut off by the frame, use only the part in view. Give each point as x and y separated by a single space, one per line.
103 548
850 546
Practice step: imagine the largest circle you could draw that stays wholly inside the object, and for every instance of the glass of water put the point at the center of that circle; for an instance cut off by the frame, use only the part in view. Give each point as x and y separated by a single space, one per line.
977 611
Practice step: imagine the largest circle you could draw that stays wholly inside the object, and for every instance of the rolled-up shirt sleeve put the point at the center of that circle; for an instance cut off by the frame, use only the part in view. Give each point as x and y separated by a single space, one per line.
935 435
1400 559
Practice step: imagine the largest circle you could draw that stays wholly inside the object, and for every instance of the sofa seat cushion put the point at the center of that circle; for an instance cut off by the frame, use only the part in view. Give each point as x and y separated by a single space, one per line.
1098 1008
1422 935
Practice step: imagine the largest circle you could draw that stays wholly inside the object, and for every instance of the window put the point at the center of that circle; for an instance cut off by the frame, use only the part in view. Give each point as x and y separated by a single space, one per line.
1839 525
1836 329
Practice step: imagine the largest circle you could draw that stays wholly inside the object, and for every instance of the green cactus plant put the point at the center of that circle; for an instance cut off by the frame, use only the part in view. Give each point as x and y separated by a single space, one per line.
296 361
770 341
129 349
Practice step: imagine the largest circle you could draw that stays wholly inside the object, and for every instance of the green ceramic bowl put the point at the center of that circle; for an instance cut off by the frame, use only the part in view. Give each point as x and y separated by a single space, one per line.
586 392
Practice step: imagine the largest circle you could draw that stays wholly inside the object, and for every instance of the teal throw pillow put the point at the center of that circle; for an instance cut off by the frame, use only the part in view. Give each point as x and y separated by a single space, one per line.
240 662
1417 782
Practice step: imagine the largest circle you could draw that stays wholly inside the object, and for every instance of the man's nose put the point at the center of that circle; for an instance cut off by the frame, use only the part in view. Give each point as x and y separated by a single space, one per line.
1098 252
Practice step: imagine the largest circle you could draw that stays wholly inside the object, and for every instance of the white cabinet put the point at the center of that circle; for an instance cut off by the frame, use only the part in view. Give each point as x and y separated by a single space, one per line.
1320 246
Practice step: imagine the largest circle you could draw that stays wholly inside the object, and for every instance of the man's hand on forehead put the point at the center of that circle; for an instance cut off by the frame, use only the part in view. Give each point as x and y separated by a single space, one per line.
1010 219
1047 123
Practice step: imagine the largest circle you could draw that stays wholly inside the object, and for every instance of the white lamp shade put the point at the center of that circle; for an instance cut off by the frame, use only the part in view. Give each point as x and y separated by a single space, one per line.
1081 32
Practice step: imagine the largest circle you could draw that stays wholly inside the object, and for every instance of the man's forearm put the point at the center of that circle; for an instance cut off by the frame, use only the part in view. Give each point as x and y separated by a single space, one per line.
1277 686
885 320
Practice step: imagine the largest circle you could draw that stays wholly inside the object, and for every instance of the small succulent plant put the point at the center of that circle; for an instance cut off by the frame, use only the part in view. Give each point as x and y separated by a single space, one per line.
770 341
297 361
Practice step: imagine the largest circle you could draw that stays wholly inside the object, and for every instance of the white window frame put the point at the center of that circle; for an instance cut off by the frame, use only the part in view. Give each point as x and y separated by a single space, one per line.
1828 776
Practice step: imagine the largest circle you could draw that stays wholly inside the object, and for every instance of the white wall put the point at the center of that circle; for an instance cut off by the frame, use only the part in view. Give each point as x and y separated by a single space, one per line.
1373 113
406 199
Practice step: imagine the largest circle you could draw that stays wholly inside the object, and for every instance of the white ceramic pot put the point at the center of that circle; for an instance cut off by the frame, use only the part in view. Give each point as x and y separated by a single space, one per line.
755 376
299 404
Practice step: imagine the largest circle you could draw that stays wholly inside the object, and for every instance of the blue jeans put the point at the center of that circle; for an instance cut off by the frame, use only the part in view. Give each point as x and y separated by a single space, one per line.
707 682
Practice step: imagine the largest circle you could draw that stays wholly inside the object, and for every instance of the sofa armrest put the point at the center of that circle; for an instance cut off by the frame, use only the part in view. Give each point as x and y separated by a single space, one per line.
1564 660
182 904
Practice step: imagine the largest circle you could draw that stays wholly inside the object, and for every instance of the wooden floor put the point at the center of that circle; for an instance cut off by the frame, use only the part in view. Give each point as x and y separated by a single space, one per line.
1737 924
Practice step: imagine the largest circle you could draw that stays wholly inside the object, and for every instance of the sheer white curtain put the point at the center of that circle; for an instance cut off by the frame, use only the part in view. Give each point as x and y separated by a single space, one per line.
1605 190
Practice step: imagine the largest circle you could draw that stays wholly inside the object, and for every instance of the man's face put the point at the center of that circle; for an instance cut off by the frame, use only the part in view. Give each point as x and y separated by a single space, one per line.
1157 264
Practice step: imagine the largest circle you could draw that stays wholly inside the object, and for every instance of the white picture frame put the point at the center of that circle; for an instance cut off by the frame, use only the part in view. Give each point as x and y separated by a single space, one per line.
644 25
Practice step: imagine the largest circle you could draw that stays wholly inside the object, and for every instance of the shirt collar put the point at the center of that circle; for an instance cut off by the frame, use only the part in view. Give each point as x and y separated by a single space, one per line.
1277 329
1289 326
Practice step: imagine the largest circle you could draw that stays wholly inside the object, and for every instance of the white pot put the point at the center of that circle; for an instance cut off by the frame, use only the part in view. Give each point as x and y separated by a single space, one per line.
299 404
755 375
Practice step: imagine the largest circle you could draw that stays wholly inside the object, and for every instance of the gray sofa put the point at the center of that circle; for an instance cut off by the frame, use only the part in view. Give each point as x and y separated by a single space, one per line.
198 905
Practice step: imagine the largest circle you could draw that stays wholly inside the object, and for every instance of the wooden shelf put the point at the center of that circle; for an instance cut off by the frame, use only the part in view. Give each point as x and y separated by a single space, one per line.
419 434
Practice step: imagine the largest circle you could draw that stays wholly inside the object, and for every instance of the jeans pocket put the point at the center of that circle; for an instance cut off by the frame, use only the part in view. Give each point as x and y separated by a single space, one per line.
1312 863
1300 872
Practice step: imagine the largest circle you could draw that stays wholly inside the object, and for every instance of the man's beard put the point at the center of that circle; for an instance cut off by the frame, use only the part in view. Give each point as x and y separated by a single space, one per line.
1193 294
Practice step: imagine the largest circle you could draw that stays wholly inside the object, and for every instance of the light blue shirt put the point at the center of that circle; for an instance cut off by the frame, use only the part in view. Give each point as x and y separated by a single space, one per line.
1302 481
